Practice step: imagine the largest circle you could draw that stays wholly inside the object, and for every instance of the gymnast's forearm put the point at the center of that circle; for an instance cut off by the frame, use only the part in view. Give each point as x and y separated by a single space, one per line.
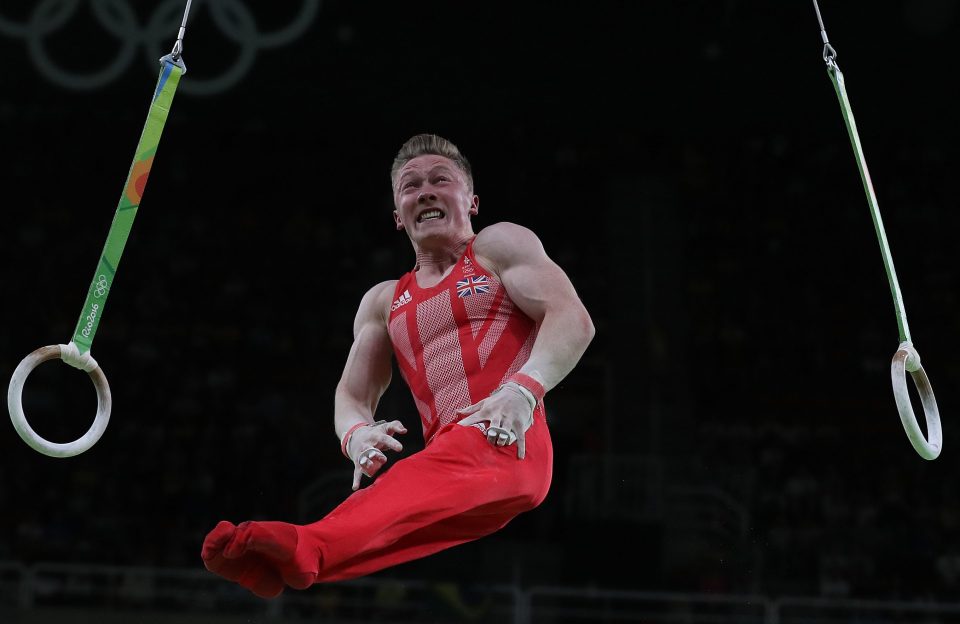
562 338
351 406
366 376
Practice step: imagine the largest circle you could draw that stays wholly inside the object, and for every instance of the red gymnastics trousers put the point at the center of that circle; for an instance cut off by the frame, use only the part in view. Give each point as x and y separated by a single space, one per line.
457 489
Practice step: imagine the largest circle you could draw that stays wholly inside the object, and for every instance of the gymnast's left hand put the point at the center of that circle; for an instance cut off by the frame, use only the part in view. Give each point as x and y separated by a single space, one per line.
508 416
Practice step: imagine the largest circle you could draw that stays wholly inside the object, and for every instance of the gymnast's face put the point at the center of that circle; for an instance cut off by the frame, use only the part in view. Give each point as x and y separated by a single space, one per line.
433 200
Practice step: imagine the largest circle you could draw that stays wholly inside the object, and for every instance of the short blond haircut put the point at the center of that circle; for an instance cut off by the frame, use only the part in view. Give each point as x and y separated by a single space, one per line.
422 144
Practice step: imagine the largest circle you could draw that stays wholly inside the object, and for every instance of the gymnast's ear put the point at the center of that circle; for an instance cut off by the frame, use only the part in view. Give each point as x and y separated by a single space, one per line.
396 219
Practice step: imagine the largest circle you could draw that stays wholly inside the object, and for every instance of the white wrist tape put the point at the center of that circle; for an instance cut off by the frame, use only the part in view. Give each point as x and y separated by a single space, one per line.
526 394
70 354
532 400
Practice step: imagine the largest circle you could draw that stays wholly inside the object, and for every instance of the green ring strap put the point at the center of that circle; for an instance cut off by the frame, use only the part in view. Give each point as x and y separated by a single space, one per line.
170 72
906 359
838 83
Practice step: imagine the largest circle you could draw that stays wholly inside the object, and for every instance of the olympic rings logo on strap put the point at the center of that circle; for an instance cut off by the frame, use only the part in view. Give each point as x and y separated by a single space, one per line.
100 288
232 17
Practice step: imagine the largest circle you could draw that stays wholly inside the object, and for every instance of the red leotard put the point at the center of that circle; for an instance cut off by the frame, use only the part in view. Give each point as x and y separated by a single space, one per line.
455 342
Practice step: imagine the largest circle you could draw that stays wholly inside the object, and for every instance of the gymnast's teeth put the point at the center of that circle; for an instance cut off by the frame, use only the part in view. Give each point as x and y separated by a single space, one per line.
430 214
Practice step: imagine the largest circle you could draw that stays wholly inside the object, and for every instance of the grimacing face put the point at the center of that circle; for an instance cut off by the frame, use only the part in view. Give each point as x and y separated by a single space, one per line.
433 199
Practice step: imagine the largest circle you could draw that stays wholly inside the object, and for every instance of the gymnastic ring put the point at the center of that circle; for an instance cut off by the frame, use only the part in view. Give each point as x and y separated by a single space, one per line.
15 405
907 359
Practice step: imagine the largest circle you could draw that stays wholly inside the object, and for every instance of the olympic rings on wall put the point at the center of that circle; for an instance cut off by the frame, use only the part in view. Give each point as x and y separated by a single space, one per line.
232 17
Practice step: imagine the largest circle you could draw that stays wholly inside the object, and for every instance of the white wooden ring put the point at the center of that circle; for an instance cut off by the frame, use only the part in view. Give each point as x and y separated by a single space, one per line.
907 359
15 405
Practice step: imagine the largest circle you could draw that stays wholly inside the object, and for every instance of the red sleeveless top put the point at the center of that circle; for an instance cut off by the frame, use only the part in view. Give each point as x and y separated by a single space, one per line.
456 342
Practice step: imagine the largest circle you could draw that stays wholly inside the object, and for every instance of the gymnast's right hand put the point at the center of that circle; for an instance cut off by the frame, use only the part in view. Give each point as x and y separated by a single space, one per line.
366 444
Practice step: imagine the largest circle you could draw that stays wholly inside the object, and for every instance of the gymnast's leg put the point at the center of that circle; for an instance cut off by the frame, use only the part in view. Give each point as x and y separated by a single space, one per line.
458 489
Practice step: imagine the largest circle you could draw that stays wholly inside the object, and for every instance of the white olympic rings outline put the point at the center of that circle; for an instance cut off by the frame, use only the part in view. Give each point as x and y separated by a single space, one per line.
234 19
101 287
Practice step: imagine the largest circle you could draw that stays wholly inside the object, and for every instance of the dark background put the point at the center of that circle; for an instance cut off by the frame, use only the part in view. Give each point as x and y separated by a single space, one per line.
732 426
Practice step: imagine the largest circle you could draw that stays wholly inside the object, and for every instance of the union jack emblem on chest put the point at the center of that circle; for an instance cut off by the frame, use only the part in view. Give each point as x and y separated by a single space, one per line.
472 285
